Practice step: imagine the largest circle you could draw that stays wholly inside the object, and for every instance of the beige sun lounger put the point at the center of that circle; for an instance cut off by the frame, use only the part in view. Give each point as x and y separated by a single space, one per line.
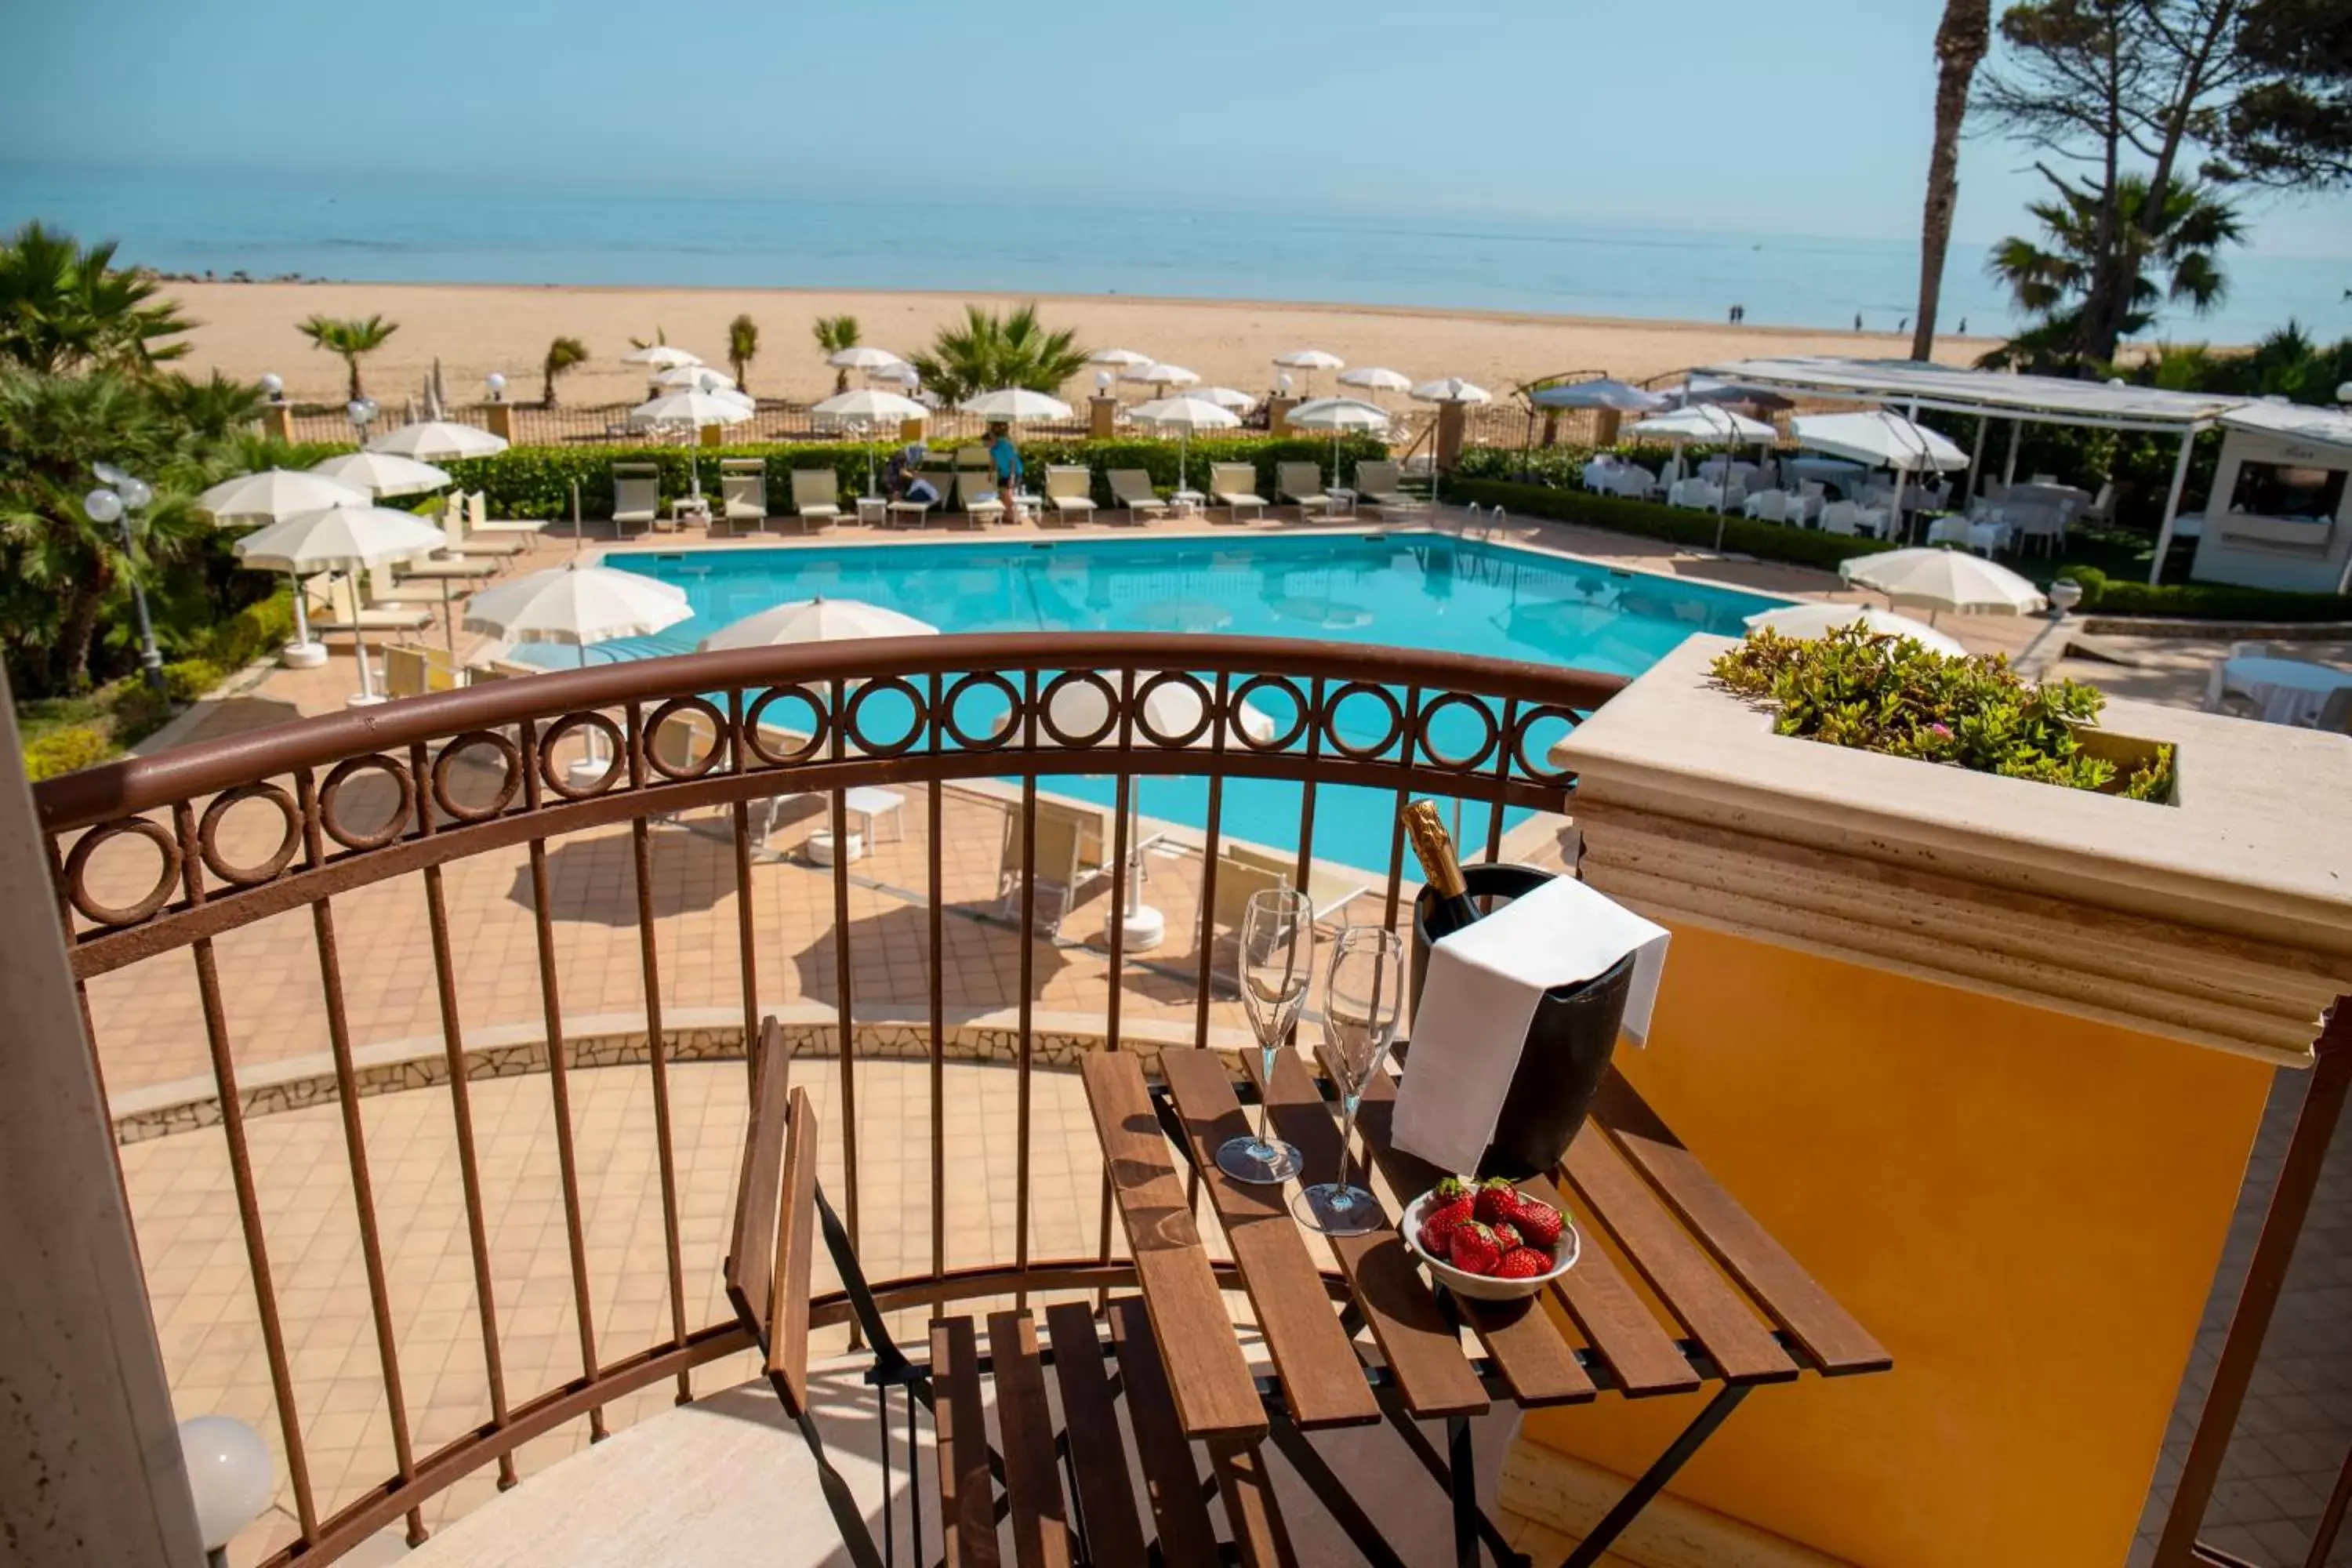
1069 491
1073 853
1242 871
491 669
1132 490
478 520
942 483
412 669
456 568
636 495
383 589
454 522
1301 484
816 497
976 489
743 492
1234 485
345 614
1383 484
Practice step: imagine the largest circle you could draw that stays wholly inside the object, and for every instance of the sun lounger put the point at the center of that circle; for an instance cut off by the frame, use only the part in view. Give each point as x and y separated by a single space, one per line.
636 495
462 541
942 484
681 743
1234 485
456 568
1070 491
976 489
817 498
1382 485
1133 489
344 613
478 520
743 492
383 589
412 669
491 669
1301 484
1073 852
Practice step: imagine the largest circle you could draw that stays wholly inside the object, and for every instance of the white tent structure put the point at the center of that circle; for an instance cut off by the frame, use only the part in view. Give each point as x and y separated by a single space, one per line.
1604 392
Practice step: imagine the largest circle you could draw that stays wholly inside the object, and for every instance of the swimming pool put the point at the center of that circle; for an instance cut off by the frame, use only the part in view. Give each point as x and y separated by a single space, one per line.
1409 589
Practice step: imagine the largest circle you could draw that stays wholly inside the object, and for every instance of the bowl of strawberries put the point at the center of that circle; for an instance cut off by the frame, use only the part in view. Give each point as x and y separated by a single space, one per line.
1488 1240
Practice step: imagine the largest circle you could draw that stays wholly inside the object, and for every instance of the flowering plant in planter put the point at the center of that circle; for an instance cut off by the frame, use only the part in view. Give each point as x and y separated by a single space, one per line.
1876 692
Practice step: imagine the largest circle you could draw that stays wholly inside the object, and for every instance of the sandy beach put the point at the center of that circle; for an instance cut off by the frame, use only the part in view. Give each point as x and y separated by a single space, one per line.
248 329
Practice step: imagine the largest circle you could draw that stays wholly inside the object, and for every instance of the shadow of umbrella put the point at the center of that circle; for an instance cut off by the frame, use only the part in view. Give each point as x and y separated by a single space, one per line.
594 879
889 954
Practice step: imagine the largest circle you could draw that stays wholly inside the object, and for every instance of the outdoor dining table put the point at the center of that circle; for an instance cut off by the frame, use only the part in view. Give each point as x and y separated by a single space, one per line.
2289 691
1726 1309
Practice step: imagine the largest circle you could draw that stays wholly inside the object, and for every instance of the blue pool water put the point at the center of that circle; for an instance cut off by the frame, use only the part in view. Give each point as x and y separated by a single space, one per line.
1404 590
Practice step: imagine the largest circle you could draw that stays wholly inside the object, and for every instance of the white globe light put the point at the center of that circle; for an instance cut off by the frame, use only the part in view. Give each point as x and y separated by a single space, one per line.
230 1476
135 492
271 387
108 474
103 506
1102 380
2344 393
1282 382
361 409
495 383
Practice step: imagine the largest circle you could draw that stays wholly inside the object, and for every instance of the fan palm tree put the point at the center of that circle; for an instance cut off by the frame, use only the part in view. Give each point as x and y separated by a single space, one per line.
65 306
988 351
743 347
2173 260
1960 45
351 339
832 334
563 354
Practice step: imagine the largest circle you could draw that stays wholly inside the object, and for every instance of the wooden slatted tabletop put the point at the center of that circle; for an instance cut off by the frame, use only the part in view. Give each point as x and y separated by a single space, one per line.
1719 1302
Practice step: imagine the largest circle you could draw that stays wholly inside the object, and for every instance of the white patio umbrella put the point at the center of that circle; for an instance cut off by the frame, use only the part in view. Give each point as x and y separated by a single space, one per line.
1706 422
1009 404
661 355
1170 709
1161 375
898 375
1119 359
1604 392
863 408
1339 414
346 537
1936 580
1309 361
438 441
696 375
382 474
690 411
1817 618
863 357
1882 438
1185 414
266 497
579 606
1376 378
815 620
1223 397
1451 389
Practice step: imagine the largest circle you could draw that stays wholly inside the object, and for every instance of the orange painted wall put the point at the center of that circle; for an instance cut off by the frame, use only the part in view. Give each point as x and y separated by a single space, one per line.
2025 1208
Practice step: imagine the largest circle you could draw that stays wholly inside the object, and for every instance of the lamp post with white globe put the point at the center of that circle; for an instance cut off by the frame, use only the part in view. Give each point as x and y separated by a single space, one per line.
273 388
230 1476
116 498
498 386
361 411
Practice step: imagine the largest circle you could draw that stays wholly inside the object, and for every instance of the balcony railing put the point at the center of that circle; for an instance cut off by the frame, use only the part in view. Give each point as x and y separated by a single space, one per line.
298 816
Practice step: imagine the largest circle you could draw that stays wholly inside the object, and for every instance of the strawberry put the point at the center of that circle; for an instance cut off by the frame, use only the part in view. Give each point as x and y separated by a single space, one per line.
1522 1263
1507 1237
1473 1250
1450 1188
1438 1222
1539 1222
1498 1200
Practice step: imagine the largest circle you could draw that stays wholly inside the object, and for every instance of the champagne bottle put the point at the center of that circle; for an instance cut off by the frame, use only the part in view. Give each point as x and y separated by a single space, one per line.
1433 848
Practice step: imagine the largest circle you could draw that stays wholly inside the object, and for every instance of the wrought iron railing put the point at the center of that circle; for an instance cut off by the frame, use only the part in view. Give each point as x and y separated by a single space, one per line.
401 791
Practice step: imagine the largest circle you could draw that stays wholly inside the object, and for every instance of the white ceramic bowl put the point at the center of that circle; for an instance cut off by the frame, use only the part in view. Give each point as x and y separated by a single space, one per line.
1485 1287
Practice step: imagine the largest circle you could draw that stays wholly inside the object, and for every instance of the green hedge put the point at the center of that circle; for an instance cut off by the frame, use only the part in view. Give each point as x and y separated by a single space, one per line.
2106 596
1677 525
536 482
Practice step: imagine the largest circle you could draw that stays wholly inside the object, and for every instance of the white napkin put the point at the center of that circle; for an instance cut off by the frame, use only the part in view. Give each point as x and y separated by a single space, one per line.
1470 1020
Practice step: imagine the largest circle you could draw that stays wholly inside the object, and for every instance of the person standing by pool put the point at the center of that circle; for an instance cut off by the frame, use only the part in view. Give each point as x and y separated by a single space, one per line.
1006 460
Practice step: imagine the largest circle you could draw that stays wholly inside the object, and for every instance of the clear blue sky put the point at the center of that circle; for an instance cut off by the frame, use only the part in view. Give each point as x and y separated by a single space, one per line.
1805 118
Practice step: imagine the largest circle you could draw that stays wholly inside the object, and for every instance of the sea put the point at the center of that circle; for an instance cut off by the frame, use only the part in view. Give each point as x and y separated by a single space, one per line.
389 231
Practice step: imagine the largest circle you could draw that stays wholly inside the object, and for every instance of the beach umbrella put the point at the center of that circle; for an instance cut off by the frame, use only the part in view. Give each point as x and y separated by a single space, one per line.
1376 378
690 411
1704 421
1604 392
1009 404
1817 618
1310 360
1936 580
1451 389
274 493
1119 359
1709 389
1161 375
661 355
815 620
1185 414
438 441
697 375
866 409
580 606
382 474
1223 397
1882 439
1339 414
898 375
862 356
348 537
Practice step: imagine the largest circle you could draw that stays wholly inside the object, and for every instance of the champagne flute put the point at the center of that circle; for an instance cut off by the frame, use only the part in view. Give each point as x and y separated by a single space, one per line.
1275 959
1362 1004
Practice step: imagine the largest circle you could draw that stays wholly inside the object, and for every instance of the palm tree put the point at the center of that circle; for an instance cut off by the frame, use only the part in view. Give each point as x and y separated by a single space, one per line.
1960 45
563 354
65 306
742 347
351 339
832 334
2174 259
989 351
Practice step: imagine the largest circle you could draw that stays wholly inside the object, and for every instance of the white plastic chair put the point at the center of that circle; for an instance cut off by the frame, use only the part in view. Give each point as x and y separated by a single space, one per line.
1842 517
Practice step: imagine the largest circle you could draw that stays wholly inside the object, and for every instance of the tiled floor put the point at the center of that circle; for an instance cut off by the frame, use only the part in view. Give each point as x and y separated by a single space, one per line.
150 1031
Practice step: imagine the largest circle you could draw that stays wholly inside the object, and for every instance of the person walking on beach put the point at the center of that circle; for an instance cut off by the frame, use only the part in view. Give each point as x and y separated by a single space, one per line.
1006 460
1857 320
